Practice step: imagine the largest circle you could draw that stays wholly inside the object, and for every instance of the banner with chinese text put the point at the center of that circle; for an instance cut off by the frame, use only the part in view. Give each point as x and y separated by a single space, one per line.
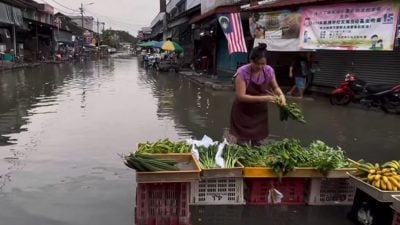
279 30
365 26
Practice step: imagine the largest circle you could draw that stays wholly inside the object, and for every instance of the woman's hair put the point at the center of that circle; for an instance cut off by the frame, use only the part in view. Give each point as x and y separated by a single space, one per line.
258 52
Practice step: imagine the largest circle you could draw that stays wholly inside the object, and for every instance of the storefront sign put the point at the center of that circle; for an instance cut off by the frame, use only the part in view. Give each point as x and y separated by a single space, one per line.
366 26
279 30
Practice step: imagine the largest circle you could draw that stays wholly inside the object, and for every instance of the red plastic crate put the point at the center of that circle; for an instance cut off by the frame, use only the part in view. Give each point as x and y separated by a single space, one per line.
291 188
163 221
396 219
163 203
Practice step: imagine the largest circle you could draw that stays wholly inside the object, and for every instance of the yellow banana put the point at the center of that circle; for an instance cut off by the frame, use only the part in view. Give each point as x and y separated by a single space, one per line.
386 170
384 178
377 177
395 188
383 185
372 171
394 182
371 177
388 174
389 186
397 178
377 183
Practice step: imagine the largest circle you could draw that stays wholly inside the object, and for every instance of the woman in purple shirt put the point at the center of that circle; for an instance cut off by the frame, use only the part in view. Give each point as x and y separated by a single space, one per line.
255 85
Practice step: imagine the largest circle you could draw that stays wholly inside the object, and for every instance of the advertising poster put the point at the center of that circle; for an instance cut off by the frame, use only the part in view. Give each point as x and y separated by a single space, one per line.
280 30
366 26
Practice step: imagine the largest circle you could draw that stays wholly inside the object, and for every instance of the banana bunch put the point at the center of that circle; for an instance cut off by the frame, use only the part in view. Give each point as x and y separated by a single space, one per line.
393 164
384 178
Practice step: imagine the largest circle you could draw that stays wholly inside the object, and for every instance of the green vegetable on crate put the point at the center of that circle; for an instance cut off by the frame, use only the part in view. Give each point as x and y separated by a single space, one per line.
164 146
325 158
147 163
207 156
285 155
252 157
230 156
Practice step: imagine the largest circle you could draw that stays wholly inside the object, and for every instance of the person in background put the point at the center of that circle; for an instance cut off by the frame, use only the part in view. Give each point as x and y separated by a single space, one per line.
299 70
255 87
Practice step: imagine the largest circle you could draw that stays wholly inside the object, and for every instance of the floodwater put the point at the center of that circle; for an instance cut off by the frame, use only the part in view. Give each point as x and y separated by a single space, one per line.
63 127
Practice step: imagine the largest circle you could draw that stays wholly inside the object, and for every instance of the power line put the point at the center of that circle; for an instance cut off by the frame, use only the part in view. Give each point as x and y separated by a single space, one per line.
64 6
114 20
61 10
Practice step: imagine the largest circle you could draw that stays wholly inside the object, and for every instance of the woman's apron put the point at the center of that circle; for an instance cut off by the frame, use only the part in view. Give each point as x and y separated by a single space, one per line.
249 121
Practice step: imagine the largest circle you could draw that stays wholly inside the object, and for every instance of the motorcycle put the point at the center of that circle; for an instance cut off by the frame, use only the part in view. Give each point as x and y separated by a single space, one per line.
383 96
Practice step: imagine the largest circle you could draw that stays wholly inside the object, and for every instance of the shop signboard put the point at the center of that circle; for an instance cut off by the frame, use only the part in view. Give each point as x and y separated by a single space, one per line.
279 29
351 26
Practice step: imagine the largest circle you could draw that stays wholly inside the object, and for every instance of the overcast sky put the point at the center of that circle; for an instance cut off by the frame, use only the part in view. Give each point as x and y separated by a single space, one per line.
129 15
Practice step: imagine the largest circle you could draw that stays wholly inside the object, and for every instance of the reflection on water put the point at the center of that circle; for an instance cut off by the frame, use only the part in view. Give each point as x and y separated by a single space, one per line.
255 215
193 108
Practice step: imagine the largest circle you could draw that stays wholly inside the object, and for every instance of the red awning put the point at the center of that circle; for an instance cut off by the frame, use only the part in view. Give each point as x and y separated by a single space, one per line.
222 9
283 3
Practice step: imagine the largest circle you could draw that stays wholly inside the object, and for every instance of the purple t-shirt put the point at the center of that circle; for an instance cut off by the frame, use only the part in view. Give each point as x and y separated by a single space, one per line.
267 75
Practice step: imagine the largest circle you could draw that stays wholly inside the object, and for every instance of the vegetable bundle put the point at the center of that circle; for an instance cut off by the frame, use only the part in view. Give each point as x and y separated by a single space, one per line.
164 146
207 156
148 163
290 110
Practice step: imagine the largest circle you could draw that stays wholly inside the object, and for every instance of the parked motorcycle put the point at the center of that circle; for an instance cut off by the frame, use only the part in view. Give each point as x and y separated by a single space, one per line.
383 96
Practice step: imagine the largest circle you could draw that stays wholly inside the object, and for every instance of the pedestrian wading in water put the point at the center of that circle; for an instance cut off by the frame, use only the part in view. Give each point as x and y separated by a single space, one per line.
255 87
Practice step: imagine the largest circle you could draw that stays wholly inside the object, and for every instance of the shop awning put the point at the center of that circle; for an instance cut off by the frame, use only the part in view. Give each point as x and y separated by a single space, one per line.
62 36
282 3
222 9
10 15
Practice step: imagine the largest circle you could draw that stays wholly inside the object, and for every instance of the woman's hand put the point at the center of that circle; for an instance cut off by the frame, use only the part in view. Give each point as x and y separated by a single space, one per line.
269 98
283 99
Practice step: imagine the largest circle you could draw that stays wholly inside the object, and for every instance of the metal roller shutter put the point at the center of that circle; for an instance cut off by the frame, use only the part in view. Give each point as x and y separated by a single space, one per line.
373 67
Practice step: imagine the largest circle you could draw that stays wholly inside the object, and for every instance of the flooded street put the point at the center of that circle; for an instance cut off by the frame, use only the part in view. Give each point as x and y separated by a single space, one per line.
62 128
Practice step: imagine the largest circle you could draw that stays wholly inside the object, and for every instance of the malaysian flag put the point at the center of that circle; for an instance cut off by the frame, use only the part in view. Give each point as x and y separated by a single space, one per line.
231 24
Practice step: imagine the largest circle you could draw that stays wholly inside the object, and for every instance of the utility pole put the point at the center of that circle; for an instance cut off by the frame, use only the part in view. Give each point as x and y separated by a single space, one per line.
98 32
83 29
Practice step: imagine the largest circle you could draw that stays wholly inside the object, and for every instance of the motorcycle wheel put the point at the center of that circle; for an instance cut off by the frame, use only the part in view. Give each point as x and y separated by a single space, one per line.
391 106
340 99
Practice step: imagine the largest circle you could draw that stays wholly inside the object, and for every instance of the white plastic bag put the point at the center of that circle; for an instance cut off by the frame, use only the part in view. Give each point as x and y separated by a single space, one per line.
274 196
218 157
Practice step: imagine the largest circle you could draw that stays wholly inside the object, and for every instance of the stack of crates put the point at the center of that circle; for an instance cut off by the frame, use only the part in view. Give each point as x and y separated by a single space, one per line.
162 204
330 191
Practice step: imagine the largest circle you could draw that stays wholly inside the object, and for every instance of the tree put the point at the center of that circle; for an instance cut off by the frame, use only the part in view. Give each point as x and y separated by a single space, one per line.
114 37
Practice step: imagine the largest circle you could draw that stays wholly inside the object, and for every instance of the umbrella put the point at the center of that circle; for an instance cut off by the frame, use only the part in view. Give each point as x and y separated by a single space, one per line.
147 44
171 46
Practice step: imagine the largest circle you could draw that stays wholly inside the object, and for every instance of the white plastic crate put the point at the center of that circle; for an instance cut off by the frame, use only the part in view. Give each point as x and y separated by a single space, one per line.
330 191
217 191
